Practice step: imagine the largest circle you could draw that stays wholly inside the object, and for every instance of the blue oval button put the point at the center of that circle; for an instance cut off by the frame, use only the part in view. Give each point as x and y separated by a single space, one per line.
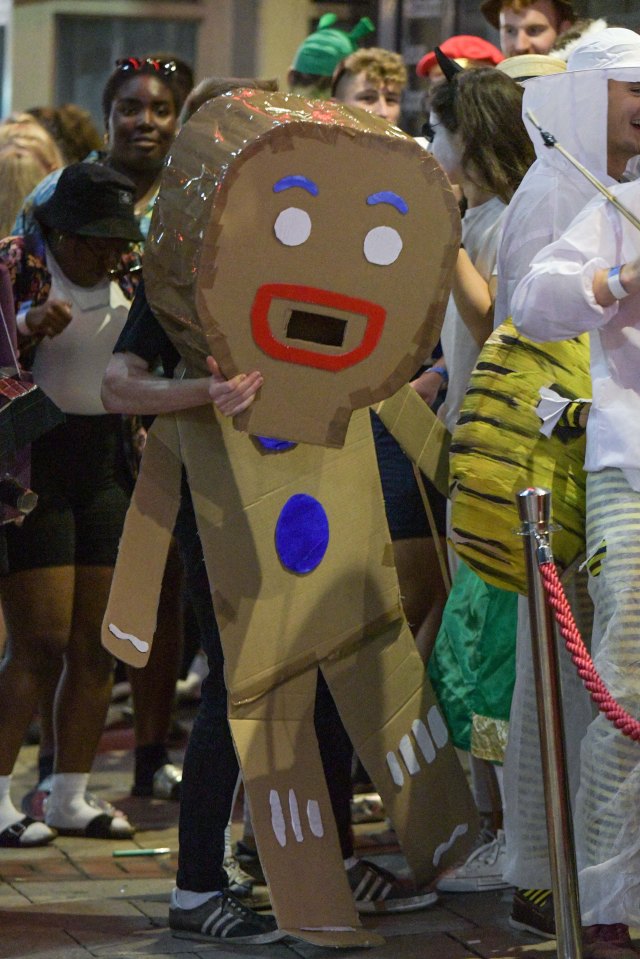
277 445
302 533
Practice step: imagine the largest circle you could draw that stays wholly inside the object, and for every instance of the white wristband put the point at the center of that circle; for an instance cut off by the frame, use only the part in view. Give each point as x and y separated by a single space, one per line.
615 284
21 318
21 324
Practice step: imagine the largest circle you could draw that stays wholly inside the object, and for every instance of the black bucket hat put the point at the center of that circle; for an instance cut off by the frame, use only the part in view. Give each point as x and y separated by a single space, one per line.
90 199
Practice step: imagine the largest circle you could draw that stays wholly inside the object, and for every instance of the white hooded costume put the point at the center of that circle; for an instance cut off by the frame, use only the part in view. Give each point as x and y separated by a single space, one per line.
573 107
608 802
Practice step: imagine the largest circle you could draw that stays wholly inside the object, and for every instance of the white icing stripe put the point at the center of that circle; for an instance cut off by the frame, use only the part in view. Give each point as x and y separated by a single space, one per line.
423 740
277 818
294 812
460 830
408 754
437 727
395 769
140 644
314 817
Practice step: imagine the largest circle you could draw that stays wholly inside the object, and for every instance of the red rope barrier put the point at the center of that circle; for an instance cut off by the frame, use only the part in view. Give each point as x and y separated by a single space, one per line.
580 655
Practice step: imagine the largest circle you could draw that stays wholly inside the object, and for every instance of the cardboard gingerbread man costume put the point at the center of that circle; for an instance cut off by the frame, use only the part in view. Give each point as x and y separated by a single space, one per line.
314 243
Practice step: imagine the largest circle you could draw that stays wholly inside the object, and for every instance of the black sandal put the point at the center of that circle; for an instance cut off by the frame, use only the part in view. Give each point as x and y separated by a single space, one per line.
100 827
11 837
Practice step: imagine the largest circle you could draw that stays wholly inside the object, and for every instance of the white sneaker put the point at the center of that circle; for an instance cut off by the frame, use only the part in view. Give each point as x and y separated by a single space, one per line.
483 869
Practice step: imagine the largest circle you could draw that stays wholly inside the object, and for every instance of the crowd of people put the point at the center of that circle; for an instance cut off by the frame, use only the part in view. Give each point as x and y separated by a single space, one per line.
543 255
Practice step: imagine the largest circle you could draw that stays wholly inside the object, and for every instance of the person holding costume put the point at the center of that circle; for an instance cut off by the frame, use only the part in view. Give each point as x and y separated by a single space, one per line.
593 269
322 349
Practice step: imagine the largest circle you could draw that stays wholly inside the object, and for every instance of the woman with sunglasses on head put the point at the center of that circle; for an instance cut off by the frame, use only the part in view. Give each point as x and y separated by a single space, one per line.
141 104
60 560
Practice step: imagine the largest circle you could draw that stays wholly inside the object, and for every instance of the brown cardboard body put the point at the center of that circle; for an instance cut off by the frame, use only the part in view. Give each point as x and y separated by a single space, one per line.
348 598
356 634
215 249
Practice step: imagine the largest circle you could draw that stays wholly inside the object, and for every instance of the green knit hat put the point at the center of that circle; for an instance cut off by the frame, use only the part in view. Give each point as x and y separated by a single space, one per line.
323 50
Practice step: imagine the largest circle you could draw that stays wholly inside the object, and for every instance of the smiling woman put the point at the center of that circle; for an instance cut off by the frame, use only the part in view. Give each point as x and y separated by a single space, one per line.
140 105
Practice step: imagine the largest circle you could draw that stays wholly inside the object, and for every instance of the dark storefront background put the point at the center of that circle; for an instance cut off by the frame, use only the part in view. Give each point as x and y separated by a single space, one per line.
414 26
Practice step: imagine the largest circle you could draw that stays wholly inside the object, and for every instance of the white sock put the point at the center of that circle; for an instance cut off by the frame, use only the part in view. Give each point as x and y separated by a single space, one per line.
9 816
199 666
191 686
8 812
185 899
67 808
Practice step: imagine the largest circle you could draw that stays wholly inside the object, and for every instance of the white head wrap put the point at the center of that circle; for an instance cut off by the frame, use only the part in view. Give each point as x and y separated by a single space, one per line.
573 105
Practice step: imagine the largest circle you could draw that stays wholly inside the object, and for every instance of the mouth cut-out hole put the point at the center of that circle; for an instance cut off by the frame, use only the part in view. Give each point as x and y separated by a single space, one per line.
316 328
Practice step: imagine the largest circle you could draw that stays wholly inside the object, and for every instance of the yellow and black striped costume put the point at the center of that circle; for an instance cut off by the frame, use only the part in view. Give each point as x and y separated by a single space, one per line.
497 450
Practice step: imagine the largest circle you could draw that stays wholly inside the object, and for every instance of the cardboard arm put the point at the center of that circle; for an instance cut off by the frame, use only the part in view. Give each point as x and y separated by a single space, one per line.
130 619
422 436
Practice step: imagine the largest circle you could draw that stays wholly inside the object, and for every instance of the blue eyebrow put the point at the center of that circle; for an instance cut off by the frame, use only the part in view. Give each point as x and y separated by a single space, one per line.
386 196
288 182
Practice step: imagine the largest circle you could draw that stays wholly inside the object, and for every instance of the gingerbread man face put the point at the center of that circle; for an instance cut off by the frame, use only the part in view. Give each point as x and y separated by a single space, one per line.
322 256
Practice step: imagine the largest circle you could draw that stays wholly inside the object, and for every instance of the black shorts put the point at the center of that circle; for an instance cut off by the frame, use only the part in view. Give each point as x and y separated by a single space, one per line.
402 501
77 470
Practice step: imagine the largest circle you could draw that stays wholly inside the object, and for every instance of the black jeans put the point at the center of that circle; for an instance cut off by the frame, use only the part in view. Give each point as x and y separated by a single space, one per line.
210 764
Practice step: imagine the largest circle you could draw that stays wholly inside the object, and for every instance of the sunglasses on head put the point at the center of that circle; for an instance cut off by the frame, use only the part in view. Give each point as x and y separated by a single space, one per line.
135 65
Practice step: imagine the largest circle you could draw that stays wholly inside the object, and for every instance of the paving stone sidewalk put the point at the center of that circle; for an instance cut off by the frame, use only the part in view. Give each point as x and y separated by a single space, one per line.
74 900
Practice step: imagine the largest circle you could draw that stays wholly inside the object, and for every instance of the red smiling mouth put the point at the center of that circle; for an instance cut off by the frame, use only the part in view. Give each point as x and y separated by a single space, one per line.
329 328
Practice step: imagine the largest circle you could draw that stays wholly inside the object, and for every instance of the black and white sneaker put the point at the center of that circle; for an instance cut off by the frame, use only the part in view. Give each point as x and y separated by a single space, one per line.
376 890
532 910
222 917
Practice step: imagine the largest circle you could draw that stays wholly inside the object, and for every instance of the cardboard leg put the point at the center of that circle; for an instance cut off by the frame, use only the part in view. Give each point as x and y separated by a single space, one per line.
130 618
397 730
292 818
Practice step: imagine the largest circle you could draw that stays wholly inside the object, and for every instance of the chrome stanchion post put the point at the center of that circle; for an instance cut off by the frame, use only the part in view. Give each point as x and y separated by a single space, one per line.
534 507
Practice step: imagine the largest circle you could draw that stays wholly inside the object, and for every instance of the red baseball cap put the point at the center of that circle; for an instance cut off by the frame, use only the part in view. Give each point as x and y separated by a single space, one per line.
463 47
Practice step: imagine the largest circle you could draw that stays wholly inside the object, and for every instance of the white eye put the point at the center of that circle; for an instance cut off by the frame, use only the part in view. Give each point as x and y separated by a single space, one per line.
382 245
292 226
